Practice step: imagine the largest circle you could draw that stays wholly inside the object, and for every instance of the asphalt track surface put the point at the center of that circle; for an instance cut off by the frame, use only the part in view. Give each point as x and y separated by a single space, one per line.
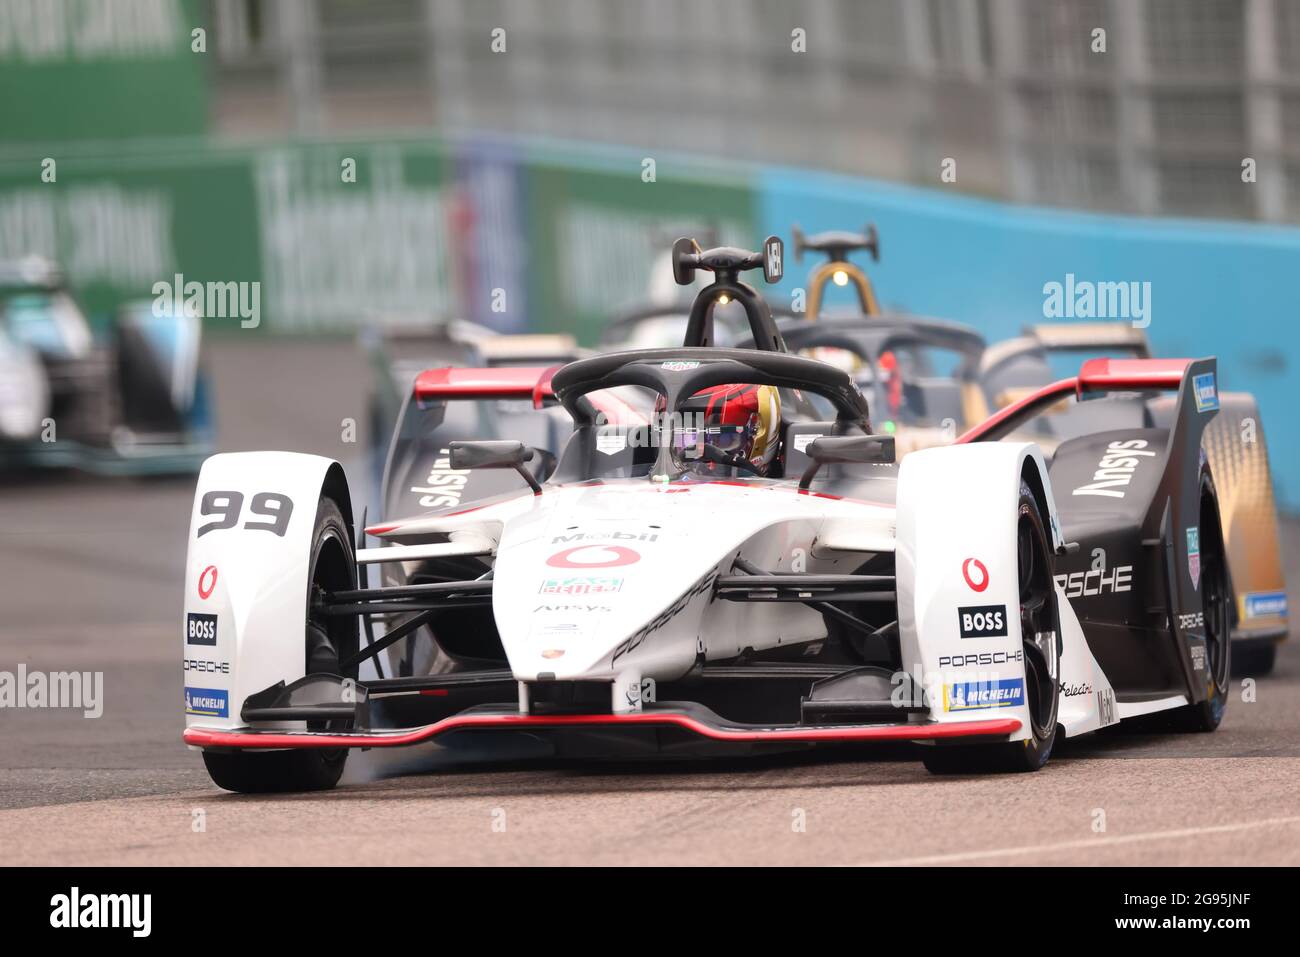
91 572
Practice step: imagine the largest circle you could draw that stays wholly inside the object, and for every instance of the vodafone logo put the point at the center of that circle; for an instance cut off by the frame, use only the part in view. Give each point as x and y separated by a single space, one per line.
594 556
980 580
207 581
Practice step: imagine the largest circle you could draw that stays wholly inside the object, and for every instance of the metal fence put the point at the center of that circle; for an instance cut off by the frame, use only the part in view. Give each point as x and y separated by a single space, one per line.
1157 113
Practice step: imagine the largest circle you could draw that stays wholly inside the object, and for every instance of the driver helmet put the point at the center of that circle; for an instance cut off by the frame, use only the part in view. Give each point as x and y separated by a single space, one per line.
739 423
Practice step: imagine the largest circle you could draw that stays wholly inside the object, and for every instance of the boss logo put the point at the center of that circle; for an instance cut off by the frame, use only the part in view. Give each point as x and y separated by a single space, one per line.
200 629
983 621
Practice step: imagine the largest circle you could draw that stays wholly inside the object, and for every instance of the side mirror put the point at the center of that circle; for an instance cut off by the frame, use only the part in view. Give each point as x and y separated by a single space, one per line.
773 259
873 242
847 450
494 455
683 256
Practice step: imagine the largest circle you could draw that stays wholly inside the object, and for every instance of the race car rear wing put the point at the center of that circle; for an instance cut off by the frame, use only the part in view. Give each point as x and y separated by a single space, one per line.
492 382
1046 339
516 382
1100 377
1090 336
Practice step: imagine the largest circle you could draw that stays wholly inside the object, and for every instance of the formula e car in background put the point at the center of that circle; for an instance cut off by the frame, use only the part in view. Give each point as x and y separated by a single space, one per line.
1235 447
414 415
930 380
398 355
134 403
750 568
919 374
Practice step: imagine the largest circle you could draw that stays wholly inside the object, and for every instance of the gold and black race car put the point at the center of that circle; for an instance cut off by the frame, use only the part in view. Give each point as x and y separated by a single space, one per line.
1233 443
934 379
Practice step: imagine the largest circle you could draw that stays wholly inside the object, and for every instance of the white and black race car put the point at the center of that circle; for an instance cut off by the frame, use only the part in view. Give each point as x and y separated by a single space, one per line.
724 556
134 400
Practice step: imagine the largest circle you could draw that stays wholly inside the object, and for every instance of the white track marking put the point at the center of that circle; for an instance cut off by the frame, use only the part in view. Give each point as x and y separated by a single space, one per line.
1085 843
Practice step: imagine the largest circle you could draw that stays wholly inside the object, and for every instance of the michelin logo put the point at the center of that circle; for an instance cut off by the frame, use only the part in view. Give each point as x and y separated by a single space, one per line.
1263 604
209 702
978 695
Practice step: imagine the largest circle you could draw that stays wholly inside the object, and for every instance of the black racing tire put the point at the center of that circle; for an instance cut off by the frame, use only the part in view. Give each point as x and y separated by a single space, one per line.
275 772
1040 627
326 643
1253 657
1216 610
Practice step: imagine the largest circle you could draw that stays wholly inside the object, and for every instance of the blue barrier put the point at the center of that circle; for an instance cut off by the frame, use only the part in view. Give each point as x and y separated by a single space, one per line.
1216 288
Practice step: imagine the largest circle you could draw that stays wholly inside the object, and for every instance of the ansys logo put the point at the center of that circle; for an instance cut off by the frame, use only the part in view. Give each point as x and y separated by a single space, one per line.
1116 468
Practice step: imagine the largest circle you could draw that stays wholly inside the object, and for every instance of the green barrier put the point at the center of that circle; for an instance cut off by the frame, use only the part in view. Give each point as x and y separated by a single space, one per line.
338 234
112 70
596 227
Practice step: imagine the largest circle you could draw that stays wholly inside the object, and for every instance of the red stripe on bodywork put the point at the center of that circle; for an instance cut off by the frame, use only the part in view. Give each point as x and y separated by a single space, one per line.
1095 375
1020 408
207 738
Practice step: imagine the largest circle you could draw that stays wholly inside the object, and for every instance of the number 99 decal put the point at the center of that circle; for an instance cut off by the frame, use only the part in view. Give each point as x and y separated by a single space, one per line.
272 506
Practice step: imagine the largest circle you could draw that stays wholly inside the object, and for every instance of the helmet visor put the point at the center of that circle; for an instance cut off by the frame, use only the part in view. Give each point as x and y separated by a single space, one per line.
728 438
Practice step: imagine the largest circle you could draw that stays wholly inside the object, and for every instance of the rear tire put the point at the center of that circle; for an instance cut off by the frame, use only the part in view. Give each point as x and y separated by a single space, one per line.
1040 636
1216 611
1253 657
326 643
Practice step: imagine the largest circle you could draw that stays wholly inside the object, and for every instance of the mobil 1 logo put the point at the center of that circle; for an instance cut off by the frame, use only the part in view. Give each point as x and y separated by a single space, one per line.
200 629
982 621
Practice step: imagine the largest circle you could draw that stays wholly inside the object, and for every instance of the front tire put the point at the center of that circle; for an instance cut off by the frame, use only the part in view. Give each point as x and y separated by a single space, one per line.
272 772
1040 640
326 644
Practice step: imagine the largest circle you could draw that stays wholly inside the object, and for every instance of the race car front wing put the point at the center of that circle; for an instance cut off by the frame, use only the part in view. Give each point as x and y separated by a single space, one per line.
687 717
